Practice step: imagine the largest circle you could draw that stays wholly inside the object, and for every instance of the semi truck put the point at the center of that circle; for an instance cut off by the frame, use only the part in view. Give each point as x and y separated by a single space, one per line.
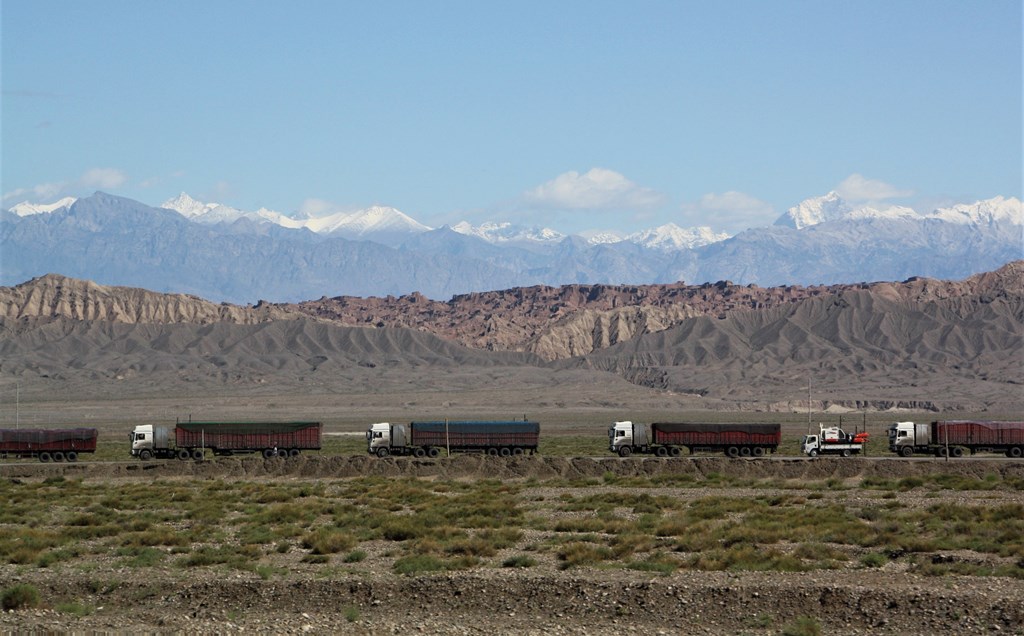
190 440
427 439
952 437
667 439
58 445
833 440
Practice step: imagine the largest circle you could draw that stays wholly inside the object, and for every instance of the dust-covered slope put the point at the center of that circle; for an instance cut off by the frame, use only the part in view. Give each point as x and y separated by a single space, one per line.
280 352
858 348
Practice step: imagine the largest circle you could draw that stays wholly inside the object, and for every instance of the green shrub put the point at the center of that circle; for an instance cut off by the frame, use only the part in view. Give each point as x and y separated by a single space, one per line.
803 626
20 596
519 561
325 540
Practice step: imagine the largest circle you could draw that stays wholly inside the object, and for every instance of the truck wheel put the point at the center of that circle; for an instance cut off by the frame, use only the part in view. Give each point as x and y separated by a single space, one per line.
183 454
625 451
906 451
813 452
675 451
419 452
845 453
1016 452
293 452
382 452
505 451
957 451
732 451
268 453
517 451
44 457
72 456
145 455
661 451
758 451
433 452
58 456
745 451
197 454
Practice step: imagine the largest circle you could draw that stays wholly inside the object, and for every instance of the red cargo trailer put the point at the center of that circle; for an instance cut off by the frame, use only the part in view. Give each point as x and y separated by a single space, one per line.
668 438
48 444
952 437
192 439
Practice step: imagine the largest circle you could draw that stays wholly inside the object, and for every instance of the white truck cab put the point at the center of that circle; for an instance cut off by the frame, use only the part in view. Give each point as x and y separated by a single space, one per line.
142 439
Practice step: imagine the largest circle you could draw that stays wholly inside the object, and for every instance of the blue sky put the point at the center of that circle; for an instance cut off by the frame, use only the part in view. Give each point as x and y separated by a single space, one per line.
573 115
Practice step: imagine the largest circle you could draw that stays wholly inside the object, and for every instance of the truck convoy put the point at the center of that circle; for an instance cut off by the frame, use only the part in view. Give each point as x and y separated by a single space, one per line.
191 439
668 439
951 437
833 440
56 445
426 439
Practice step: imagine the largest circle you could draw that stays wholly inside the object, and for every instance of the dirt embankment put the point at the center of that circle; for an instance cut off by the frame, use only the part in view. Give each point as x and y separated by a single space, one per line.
482 467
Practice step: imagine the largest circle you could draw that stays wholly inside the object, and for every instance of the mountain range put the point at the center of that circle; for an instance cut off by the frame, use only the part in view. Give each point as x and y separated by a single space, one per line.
225 254
919 344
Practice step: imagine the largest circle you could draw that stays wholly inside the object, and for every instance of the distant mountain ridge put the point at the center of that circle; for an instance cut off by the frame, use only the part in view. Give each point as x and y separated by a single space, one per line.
226 255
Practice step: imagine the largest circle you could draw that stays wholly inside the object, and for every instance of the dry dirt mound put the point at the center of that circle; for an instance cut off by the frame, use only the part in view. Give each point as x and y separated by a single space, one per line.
481 467
517 602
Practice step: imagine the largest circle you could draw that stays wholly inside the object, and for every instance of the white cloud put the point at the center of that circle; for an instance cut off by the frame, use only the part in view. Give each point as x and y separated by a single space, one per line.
92 179
103 178
730 211
597 189
857 188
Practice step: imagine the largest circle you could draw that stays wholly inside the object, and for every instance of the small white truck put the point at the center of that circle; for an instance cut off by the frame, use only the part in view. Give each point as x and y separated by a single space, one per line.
833 440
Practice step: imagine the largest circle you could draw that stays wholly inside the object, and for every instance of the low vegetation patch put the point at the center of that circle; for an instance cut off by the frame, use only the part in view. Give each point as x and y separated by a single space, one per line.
655 524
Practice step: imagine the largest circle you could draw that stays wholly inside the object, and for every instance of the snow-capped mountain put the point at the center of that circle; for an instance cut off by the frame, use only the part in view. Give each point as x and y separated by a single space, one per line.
507 233
815 210
115 240
997 209
832 207
376 223
602 237
671 237
28 209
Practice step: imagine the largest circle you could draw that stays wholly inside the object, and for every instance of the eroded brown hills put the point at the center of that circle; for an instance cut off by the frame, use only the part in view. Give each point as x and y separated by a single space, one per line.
551 322
920 344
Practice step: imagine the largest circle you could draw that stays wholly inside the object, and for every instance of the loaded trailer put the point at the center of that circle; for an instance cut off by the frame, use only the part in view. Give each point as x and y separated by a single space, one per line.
952 437
47 445
190 440
667 439
427 439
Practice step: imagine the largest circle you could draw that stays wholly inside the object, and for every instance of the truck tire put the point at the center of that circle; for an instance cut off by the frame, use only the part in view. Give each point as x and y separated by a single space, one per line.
745 451
846 452
957 451
517 451
44 458
293 452
906 451
505 451
433 452
146 455
197 454
759 451
72 456
661 451
493 452
625 451
419 452
58 456
732 451
383 452
268 453
675 451
1016 452
813 452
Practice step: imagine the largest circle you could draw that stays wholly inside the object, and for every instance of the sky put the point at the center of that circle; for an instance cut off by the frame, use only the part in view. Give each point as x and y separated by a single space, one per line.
575 115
